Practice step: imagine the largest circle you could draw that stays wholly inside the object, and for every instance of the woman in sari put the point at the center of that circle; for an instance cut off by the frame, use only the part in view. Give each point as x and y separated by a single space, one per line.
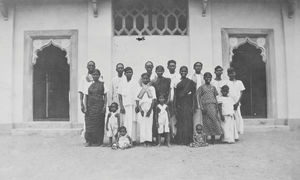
95 105
207 96
184 93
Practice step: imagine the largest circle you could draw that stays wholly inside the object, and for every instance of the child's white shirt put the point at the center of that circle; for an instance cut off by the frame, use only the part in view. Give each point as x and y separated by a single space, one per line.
227 105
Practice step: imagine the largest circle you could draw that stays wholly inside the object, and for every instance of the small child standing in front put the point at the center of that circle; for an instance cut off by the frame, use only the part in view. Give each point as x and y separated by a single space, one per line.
113 122
226 106
199 138
124 141
163 120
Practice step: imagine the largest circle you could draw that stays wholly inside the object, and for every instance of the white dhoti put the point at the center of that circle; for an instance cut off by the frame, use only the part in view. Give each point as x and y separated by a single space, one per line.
145 123
229 129
129 121
239 120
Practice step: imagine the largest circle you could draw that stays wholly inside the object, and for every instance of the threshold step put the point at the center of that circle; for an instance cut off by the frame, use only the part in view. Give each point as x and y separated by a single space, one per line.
46 132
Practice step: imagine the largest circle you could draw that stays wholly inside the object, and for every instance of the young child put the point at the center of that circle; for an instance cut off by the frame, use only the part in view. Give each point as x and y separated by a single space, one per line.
123 141
112 122
226 104
163 120
145 103
199 137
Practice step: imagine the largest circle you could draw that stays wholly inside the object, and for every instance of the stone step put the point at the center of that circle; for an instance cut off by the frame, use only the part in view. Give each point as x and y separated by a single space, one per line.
46 132
47 125
264 122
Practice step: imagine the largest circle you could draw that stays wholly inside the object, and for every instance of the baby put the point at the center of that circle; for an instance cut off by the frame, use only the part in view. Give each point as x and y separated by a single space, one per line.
124 140
199 138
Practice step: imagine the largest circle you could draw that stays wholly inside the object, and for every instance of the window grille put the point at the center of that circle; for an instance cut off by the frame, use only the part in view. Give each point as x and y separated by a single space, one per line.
150 17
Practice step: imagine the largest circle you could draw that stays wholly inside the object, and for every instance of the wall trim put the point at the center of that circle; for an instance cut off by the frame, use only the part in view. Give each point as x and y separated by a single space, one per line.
268 34
29 37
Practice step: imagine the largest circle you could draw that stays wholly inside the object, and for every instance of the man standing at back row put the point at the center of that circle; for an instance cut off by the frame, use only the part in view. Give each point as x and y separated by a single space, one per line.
175 78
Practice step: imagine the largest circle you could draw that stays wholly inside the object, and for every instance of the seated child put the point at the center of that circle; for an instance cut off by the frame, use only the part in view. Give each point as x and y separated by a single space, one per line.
163 122
123 141
199 138
226 106
112 122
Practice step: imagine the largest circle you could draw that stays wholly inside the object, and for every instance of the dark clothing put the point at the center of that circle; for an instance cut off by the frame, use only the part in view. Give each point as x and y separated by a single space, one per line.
94 117
184 93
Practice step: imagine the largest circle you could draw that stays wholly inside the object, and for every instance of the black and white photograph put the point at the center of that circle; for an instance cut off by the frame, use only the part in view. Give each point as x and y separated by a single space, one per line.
149 89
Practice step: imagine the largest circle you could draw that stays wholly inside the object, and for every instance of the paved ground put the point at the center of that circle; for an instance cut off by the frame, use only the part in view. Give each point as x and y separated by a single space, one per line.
259 155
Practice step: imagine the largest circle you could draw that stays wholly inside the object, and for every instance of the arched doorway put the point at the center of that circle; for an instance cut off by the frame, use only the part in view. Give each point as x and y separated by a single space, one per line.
251 70
51 85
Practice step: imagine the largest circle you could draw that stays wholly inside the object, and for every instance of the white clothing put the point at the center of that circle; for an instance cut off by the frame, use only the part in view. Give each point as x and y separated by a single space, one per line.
146 122
198 79
85 82
235 88
128 119
115 84
175 79
218 85
112 125
229 129
128 90
163 119
239 120
227 105
124 141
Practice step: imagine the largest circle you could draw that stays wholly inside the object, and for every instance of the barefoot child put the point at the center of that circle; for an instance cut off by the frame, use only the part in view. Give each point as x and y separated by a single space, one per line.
163 120
112 122
199 137
226 104
124 140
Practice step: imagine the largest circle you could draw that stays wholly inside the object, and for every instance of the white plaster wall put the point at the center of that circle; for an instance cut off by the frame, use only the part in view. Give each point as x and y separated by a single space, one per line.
158 49
293 65
6 61
248 14
45 16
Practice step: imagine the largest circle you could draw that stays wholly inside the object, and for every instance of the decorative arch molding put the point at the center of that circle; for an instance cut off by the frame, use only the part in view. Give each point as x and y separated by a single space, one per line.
258 42
40 44
262 39
34 41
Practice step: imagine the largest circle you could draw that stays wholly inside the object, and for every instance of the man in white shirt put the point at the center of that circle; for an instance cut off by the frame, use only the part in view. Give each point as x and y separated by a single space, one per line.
127 95
116 82
149 70
236 88
218 82
175 78
198 79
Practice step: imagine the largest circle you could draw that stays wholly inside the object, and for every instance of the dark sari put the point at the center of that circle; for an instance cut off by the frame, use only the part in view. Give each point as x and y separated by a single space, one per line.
95 117
184 94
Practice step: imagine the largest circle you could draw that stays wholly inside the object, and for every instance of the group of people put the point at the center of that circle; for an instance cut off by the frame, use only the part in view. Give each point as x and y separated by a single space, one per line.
183 110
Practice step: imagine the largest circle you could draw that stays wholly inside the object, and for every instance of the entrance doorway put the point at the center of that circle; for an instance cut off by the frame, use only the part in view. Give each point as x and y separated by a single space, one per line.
251 70
51 85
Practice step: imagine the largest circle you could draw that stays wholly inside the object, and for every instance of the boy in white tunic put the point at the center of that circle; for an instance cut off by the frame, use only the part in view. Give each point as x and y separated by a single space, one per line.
226 104
145 101
112 123
236 88
163 120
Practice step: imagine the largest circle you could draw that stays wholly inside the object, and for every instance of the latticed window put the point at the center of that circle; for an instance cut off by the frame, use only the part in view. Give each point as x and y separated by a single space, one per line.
150 17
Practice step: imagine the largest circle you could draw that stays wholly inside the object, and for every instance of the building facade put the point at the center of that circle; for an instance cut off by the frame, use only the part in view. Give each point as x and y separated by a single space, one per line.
45 45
